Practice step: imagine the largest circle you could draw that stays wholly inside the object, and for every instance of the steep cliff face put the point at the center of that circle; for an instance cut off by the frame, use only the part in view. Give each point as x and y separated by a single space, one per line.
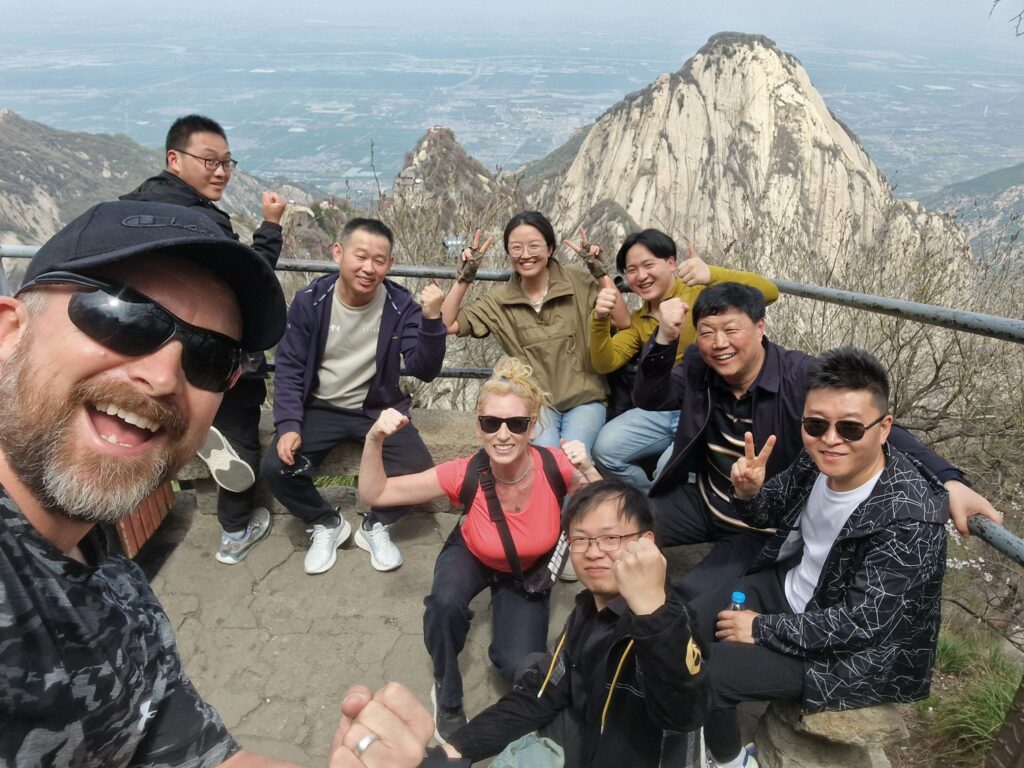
990 207
49 176
735 147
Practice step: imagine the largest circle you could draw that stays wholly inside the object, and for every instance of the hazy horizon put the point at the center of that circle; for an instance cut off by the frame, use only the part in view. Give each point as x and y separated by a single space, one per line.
932 88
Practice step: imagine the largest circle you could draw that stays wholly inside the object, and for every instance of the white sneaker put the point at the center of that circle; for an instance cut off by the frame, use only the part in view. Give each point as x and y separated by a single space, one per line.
323 553
384 555
568 573
227 470
233 550
749 761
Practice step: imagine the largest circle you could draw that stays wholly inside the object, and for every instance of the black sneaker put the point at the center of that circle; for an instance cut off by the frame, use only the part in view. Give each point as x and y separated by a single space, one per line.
447 720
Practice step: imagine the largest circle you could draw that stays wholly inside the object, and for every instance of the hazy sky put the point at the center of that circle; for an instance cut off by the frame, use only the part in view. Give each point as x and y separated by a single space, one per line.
965 23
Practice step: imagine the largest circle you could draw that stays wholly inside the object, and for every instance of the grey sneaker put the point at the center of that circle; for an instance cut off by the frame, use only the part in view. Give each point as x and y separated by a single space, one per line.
323 547
227 470
447 720
568 573
232 550
384 555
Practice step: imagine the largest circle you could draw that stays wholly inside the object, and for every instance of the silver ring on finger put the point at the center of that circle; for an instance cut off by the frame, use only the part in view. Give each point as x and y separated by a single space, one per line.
364 743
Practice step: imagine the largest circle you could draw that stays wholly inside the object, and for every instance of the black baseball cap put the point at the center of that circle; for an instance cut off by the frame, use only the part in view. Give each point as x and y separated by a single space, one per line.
110 233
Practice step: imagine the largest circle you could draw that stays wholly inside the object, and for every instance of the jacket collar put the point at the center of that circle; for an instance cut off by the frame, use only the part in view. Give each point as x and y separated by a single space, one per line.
184 186
558 285
323 287
927 503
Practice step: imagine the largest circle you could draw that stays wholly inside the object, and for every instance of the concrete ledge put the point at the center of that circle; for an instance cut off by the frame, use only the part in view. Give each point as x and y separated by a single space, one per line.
447 434
855 738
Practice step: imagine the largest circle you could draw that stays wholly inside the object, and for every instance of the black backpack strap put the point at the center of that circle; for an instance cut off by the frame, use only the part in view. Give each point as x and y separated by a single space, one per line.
497 515
554 476
471 480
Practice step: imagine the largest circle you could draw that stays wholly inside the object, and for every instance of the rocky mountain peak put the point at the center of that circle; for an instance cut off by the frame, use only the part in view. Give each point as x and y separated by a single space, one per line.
440 175
737 144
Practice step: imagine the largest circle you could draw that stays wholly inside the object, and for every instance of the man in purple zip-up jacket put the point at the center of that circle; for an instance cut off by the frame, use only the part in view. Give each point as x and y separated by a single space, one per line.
337 368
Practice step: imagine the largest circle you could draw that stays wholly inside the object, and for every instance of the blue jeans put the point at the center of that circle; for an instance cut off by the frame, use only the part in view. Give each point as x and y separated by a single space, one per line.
633 436
580 423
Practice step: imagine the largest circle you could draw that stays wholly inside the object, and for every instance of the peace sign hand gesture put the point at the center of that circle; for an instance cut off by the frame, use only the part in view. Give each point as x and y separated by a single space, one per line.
471 258
747 474
590 253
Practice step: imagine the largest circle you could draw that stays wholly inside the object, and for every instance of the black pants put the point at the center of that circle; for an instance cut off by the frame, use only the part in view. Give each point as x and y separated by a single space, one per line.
238 419
323 427
519 621
741 671
682 517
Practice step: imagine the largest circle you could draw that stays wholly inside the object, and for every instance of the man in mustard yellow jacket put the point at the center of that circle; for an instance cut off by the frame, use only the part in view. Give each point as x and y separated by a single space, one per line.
648 261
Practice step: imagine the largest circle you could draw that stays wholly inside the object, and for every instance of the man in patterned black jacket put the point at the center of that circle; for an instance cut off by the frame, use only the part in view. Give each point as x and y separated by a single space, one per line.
114 357
842 604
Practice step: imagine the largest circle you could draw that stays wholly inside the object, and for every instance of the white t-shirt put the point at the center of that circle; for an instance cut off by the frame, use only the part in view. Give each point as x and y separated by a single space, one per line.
820 523
350 356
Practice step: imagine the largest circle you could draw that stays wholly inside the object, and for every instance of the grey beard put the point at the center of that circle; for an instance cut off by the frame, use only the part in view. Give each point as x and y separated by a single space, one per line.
35 437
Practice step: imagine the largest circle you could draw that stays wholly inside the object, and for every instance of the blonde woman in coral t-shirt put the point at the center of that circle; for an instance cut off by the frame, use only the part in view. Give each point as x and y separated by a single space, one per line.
508 410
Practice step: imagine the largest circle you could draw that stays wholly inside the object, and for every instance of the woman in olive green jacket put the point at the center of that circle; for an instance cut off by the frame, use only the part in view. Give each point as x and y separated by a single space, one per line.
542 316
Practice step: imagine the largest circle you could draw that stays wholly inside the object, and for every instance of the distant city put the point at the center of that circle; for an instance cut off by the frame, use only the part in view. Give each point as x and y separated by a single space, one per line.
316 108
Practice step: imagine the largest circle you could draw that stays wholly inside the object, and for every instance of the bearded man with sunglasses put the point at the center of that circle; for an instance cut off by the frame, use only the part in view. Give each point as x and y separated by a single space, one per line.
843 601
734 380
199 169
131 324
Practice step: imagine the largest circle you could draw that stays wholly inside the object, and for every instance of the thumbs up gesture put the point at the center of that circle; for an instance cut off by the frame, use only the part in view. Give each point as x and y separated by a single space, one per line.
693 270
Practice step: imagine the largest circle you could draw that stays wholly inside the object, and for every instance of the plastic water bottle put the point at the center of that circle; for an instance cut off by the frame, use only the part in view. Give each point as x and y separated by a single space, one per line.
738 601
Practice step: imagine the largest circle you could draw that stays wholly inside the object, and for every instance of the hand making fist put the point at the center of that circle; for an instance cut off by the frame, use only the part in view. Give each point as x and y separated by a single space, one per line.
273 207
640 576
671 316
387 424
576 452
431 298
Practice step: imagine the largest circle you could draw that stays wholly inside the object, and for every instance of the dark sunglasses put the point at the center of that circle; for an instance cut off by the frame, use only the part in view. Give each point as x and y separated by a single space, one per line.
517 425
130 323
851 431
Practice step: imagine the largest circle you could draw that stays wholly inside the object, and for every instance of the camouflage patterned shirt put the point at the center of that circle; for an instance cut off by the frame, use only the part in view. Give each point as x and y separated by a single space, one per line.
89 670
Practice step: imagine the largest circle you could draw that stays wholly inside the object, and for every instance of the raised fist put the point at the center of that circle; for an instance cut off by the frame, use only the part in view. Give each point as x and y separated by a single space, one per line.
671 316
387 424
273 207
431 298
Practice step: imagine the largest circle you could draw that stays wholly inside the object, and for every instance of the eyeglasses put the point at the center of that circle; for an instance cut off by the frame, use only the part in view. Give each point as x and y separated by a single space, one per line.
301 466
130 323
212 164
851 431
516 250
517 425
607 543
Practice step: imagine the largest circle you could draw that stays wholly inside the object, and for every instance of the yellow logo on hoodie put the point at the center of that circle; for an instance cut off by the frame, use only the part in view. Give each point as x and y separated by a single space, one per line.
693 657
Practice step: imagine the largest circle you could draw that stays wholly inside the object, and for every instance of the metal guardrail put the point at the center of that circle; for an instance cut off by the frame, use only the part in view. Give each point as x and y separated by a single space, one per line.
1006 329
993 326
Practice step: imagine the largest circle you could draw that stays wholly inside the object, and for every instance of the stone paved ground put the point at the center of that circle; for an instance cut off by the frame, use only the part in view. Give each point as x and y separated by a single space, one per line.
274 649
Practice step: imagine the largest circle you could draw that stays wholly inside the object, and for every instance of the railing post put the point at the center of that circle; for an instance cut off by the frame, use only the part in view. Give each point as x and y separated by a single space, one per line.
5 287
